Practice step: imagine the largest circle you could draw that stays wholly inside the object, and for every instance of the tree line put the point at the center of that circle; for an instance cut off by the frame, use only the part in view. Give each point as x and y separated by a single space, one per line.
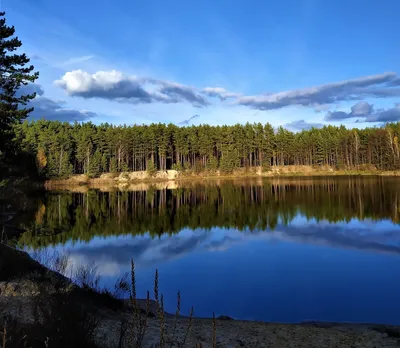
61 149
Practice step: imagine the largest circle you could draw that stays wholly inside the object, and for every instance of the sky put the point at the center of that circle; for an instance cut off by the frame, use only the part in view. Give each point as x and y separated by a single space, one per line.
295 63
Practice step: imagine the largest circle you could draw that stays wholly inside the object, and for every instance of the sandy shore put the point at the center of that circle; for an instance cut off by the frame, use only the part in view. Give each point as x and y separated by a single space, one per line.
162 177
233 333
237 333
229 332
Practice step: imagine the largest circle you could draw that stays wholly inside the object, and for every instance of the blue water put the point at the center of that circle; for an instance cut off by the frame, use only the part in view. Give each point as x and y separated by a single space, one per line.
306 270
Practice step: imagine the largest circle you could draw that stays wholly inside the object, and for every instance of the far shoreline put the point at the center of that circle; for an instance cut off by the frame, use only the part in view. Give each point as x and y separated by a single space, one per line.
163 177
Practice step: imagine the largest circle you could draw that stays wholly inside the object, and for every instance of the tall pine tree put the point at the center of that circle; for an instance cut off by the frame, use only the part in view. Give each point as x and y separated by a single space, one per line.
14 74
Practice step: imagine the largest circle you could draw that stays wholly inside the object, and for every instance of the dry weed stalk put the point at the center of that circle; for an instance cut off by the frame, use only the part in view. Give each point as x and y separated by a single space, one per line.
160 310
88 277
177 314
156 290
162 322
188 328
214 332
140 324
161 317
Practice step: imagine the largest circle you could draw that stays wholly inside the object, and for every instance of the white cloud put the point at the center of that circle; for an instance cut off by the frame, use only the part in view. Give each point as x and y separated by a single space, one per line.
114 85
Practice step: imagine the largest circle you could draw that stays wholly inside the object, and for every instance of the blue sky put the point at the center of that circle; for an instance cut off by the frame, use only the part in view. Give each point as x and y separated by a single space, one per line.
294 63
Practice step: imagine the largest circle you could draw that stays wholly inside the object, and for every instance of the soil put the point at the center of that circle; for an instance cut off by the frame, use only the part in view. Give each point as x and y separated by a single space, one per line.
235 333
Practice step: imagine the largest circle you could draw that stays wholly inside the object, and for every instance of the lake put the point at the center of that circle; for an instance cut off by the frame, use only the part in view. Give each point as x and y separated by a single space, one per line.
281 250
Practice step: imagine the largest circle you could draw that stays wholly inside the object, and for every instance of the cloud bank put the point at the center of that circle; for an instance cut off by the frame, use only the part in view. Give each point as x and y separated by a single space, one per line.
376 86
114 85
50 109
366 113
360 109
117 86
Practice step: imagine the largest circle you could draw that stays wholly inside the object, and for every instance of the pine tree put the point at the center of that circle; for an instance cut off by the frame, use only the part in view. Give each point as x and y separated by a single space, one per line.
212 163
65 167
269 145
14 74
229 161
95 165
113 165
103 163
150 167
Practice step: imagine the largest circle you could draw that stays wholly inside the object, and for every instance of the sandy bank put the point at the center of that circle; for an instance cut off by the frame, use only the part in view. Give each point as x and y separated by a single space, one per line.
233 333
172 179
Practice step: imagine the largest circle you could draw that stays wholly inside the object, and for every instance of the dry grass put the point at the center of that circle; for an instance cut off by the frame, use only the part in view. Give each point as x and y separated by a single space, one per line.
134 330
59 306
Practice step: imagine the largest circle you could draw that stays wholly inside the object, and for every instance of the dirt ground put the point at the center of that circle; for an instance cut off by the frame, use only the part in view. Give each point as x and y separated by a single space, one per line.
232 333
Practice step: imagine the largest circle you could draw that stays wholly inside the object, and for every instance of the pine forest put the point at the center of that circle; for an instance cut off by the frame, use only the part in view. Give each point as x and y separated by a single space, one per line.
62 149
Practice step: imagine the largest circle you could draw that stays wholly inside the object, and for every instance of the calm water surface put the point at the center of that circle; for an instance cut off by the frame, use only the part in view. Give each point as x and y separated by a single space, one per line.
283 250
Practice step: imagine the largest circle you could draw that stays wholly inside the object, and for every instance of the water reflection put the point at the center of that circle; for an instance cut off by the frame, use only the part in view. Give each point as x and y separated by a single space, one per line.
248 205
282 250
149 252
